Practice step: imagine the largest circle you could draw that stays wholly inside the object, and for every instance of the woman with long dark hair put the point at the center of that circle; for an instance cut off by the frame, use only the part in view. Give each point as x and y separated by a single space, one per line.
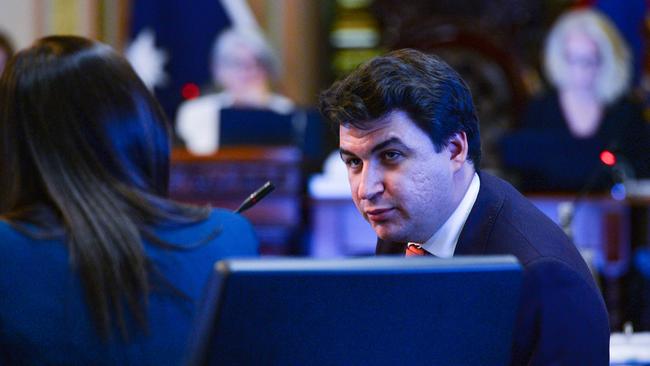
97 265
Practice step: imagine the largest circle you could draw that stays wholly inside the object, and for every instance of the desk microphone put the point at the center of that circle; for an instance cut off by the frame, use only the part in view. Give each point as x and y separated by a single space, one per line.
617 169
256 196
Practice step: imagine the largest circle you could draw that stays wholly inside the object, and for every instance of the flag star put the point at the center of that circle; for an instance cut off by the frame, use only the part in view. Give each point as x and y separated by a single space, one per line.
147 60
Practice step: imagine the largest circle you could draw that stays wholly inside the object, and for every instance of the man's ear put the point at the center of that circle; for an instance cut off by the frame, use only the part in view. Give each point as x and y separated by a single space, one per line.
458 148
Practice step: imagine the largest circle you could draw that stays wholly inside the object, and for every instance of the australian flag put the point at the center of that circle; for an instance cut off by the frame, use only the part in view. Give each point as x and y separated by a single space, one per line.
170 46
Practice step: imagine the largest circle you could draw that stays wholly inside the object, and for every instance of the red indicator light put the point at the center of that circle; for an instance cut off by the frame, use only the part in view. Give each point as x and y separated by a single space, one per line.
190 91
608 158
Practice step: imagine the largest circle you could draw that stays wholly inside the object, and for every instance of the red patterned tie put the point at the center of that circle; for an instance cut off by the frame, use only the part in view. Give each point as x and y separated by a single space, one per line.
413 250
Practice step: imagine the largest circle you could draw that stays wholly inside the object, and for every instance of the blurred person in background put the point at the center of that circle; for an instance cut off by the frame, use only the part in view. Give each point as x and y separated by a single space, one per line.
6 50
98 266
243 67
587 111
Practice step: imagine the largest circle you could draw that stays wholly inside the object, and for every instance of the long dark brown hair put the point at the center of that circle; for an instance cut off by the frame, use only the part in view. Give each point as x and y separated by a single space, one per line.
84 153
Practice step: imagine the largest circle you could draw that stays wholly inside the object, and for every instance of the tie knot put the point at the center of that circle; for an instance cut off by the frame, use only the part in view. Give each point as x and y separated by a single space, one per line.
414 249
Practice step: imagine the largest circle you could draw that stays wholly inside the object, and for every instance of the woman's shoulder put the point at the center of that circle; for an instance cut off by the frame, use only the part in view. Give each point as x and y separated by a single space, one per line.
226 232
627 104
222 217
22 253
544 99
237 233
198 107
9 236
201 102
542 109
281 104
233 226
626 116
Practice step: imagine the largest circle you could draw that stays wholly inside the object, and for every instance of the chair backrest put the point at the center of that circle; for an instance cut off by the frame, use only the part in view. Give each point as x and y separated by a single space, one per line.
364 311
255 126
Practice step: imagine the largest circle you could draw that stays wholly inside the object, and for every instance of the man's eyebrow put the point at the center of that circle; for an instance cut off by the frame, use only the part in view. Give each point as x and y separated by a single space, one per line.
390 141
342 152
379 146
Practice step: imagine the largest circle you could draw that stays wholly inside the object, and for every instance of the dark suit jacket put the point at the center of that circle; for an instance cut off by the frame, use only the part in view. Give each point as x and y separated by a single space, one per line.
562 318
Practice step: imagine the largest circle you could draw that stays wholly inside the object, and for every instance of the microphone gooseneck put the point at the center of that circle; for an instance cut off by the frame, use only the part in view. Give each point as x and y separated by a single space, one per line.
256 196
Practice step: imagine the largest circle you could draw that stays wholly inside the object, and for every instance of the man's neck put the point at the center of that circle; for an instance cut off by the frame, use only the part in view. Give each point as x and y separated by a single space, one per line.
443 242
462 180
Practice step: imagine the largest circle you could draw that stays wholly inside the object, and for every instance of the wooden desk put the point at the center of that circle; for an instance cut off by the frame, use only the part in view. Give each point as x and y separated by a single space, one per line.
226 178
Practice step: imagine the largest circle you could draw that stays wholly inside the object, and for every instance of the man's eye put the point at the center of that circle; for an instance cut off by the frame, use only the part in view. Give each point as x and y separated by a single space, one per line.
391 155
352 162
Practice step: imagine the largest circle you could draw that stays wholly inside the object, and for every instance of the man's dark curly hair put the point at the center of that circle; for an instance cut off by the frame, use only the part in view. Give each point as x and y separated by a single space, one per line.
432 94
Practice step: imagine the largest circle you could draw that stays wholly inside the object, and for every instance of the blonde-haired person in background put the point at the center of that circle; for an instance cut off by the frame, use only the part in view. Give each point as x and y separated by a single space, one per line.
244 66
586 56
588 110
6 50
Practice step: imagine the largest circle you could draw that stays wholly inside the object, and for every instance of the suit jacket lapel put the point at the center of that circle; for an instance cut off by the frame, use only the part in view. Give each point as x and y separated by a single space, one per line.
389 248
480 222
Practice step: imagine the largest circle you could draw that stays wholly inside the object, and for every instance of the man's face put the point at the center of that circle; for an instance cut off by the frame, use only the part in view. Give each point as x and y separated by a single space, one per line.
399 183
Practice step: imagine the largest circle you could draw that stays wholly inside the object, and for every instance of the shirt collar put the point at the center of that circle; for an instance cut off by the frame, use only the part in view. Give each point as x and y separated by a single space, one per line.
443 242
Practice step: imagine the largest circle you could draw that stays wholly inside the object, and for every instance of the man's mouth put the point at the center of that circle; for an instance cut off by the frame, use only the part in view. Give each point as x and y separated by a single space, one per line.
379 214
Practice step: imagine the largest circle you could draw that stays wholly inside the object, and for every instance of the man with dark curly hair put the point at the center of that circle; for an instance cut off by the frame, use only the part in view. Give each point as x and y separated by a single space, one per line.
409 137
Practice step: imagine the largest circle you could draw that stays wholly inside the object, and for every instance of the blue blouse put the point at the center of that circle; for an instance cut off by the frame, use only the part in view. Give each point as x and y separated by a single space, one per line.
44 318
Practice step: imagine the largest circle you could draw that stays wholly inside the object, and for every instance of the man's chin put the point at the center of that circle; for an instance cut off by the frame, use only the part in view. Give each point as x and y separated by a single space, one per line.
388 235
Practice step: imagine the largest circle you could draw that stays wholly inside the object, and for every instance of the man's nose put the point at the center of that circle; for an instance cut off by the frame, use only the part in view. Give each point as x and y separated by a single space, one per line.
371 185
